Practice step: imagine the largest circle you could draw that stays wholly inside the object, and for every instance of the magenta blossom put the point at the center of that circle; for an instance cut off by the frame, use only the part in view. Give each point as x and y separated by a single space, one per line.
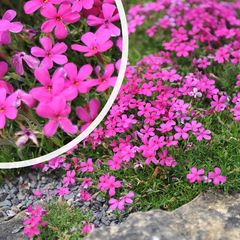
50 53
57 112
18 59
95 43
51 87
24 136
106 21
106 80
62 191
216 176
33 5
7 26
58 19
70 178
87 166
195 175
80 80
87 228
89 113
78 5
4 84
7 108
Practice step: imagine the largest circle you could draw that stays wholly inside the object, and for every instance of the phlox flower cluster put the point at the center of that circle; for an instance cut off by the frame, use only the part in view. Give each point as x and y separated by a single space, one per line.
55 70
198 176
34 222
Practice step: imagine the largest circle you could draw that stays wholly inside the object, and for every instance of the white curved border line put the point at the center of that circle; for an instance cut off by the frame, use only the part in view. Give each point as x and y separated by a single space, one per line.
101 115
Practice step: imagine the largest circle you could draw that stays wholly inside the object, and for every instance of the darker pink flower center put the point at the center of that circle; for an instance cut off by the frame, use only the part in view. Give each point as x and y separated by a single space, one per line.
2 110
59 18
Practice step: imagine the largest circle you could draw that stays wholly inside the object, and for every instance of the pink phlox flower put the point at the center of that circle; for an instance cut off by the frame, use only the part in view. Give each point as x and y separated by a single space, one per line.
219 103
116 204
58 19
202 134
87 227
25 135
107 182
23 97
106 21
57 111
7 26
87 182
115 163
94 43
217 177
70 178
50 53
195 175
62 191
87 166
85 196
56 162
33 5
79 5
222 54
52 87
80 81
181 133
17 62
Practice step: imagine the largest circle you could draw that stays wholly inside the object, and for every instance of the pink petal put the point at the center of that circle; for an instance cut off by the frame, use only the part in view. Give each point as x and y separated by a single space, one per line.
11 113
85 71
3 95
3 69
106 46
59 48
108 10
2 121
71 69
4 25
37 52
49 11
60 59
50 128
64 9
48 26
9 15
94 21
42 75
72 17
94 106
67 126
32 6
83 115
44 111
88 38
88 4
47 63
5 38
79 48
60 31
46 43
102 36
15 27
